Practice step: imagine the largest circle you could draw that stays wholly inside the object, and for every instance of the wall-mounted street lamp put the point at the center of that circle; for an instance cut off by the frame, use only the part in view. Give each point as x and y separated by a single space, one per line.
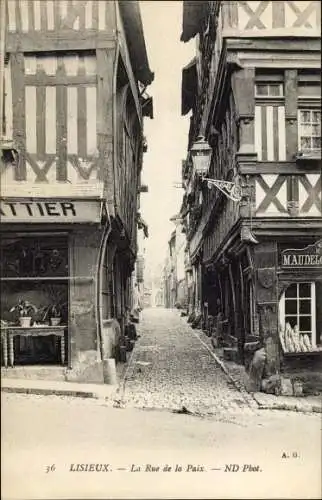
201 158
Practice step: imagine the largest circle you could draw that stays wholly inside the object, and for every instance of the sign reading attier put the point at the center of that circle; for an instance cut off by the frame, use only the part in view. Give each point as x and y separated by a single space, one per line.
74 211
310 256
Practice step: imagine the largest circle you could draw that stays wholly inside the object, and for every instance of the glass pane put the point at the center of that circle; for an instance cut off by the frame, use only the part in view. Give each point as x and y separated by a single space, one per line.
305 116
305 324
305 306
291 291
262 90
306 130
304 290
305 142
34 257
316 130
290 306
316 142
275 90
316 117
292 320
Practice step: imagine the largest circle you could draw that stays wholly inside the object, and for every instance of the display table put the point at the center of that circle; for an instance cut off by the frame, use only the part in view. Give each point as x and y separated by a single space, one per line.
10 332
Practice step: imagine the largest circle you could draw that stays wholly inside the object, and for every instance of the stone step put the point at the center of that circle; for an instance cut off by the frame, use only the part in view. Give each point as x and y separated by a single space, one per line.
57 373
231 354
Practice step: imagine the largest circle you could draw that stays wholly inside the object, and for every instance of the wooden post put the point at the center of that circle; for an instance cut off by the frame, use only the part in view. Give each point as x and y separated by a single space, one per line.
105 74
2 58
243 85
291 133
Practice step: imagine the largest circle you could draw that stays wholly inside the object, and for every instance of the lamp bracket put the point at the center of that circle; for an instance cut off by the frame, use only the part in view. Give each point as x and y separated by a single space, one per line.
230 189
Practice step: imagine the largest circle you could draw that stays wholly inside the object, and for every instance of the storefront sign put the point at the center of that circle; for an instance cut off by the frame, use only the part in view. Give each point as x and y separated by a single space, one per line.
310 256
72 211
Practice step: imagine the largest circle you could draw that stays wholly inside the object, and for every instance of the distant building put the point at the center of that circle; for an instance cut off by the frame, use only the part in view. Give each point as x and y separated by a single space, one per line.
174 269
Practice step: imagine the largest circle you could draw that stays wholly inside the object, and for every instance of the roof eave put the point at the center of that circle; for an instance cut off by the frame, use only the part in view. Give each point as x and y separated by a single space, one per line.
131 15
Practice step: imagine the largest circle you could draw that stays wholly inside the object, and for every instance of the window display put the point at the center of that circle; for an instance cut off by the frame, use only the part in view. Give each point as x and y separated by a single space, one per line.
34 298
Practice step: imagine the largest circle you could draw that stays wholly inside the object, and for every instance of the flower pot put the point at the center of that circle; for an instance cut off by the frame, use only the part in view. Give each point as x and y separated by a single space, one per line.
54 321
25 321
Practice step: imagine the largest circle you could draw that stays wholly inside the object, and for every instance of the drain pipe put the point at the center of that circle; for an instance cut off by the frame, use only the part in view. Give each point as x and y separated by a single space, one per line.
108 363
109 370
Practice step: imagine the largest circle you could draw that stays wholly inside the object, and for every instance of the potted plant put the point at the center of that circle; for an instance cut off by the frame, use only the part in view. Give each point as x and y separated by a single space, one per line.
25 310
53 314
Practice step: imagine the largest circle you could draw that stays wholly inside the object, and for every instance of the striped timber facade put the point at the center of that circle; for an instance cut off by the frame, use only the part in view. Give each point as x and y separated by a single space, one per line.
254 90
73 121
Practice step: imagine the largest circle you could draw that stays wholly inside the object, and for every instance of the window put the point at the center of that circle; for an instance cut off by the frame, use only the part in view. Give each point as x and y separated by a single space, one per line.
309 114
270 90
309 130
270 135
298 313
35 268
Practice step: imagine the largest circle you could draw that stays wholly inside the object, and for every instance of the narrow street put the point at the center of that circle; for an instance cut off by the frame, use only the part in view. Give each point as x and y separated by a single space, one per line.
172 368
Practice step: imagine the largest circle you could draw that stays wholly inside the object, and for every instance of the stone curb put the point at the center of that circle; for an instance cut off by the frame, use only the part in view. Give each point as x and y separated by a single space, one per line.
286 407
23 387
48 392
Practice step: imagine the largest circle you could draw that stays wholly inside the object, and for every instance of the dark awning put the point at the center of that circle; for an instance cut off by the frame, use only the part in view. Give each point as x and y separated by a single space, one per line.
131 16
189 87
193 15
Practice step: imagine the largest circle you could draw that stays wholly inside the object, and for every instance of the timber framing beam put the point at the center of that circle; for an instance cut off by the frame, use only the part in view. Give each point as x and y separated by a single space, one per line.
59 41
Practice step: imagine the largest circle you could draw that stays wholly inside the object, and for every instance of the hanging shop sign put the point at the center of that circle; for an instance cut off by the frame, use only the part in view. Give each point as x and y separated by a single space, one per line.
308 257
50 211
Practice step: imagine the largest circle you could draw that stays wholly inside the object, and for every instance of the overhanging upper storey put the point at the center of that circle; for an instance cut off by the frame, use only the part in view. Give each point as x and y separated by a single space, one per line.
276 19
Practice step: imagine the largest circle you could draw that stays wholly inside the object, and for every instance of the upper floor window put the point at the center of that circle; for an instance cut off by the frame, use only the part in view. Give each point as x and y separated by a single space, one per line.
309 130
309 112
269 134
269 90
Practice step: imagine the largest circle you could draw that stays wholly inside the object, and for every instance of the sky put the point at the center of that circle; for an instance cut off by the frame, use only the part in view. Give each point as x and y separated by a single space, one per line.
167 133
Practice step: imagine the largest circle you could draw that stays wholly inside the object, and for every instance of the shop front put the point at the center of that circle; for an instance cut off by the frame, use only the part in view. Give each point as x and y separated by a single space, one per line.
51 245
268 296
300 313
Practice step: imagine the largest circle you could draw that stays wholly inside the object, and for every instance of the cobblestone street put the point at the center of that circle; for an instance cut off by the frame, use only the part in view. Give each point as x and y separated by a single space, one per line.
171 367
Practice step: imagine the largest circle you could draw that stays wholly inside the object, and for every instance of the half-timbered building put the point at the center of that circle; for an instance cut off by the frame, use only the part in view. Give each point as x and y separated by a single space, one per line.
73 102
254 92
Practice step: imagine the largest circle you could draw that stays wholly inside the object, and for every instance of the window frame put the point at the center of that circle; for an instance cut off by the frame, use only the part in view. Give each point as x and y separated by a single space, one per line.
269 84
309 109
312 298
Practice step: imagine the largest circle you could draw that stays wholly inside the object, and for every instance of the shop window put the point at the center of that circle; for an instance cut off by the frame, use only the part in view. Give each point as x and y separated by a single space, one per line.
309 130
34 270
299 325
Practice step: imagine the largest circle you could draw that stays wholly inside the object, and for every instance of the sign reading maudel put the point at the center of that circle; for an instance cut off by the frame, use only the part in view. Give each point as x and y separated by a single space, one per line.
310 256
